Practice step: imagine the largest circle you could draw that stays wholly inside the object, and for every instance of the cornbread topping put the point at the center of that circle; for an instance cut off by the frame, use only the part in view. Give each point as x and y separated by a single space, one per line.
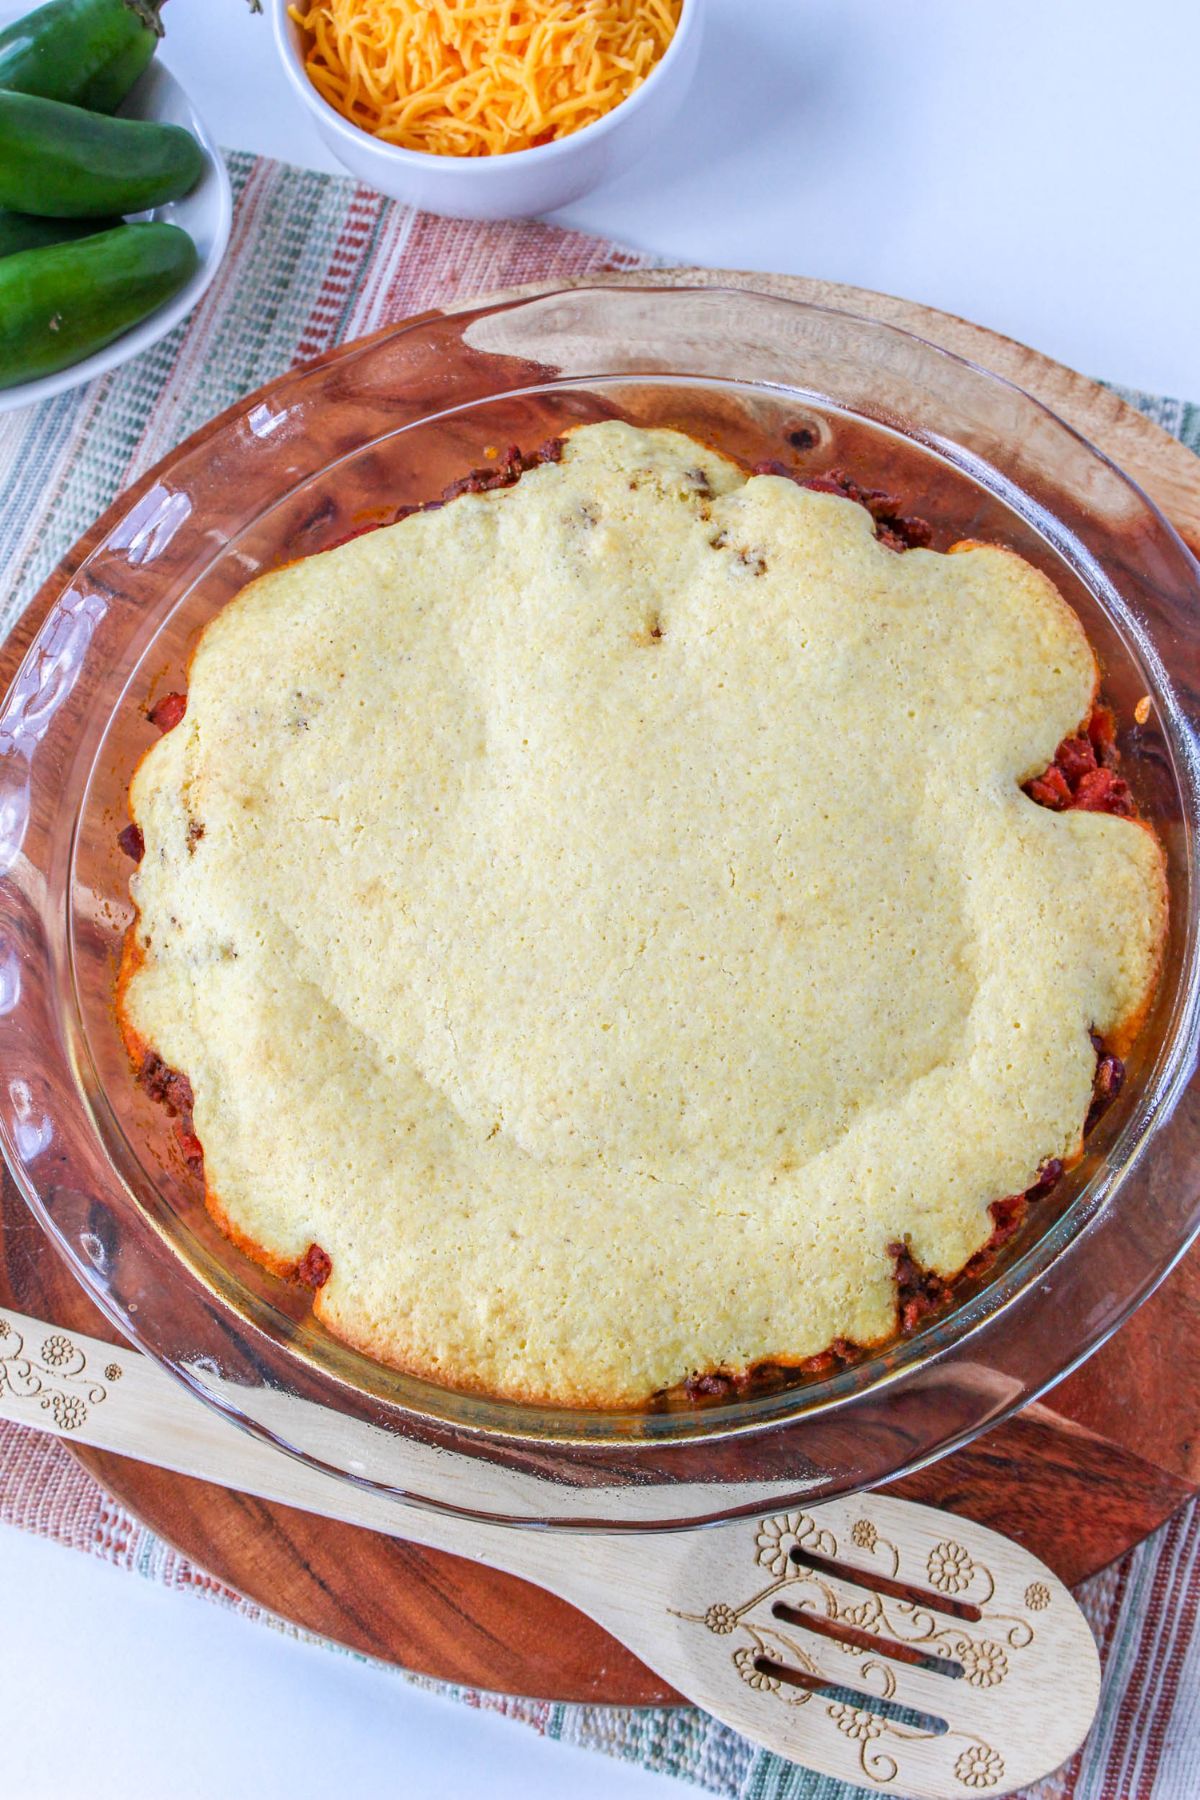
617 891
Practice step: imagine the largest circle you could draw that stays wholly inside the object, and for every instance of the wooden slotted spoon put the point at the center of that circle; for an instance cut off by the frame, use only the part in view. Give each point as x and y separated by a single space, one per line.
888 1644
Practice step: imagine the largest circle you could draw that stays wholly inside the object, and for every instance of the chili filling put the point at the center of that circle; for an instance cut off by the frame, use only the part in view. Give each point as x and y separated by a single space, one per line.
168 711
1083 775
315 1267
173 1090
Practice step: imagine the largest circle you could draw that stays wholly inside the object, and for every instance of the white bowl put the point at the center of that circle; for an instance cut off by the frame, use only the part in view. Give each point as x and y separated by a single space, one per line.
205 214
522 183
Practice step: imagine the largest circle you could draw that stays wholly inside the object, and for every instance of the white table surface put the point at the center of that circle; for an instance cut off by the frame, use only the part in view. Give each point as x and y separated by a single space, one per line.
1033 164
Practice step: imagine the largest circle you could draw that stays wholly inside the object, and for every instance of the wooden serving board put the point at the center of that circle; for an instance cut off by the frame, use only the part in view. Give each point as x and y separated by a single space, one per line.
1078 1479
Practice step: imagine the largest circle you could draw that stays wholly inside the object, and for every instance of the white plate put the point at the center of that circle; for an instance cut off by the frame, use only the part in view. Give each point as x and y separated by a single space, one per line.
205 214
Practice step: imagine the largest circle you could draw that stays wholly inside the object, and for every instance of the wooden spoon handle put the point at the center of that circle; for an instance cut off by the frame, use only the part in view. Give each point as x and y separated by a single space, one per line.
89 1392
885 1643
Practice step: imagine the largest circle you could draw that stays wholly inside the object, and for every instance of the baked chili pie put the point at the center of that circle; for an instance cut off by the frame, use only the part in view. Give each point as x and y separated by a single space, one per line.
635 923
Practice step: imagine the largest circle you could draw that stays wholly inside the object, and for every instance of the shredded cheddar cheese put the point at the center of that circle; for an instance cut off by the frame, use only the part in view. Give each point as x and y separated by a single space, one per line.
481 77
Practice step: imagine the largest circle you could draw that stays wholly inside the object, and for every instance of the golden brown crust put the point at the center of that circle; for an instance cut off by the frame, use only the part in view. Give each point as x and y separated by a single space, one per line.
455 1370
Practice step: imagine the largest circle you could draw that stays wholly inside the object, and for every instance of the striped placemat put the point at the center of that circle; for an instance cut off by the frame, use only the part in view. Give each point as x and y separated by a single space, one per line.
315 260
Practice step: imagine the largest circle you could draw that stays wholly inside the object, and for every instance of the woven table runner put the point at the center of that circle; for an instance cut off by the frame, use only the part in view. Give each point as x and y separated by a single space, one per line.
315 260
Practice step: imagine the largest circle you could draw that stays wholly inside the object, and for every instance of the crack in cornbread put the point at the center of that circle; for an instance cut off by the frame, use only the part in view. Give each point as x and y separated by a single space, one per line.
604 918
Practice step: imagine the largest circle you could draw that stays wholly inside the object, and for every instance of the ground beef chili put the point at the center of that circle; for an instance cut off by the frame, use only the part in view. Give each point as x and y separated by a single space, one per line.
166 1085
315 1267
1083 776
505 472
173 1090
1110 1079
918 1291
723 1384
190 1145
167 712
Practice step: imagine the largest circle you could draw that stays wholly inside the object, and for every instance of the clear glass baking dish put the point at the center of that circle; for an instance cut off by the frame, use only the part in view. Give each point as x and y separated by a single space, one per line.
336 446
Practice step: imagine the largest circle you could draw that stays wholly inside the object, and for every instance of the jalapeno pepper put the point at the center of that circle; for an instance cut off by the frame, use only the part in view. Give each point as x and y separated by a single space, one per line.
21 231
65 163
86 52
64 302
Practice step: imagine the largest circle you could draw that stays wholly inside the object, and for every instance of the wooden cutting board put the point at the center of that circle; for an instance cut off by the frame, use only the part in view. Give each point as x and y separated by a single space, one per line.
1078 1479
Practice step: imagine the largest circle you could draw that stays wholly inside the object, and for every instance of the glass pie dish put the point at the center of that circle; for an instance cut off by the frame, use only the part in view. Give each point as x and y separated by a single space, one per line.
336 447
